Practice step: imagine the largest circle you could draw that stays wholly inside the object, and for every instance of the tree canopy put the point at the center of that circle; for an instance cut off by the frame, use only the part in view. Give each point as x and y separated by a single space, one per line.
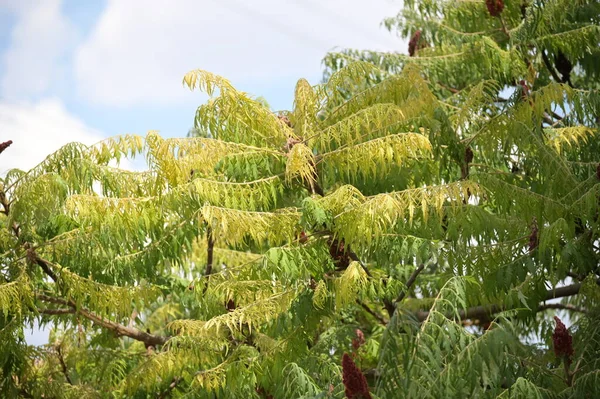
410 229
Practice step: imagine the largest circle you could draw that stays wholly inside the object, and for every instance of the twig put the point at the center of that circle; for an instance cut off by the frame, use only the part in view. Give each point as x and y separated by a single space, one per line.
410 282
62 363
450 89
45 265
550 67
167 391
380 319
355 258
484 312
210 244
57 311
546 306
134 333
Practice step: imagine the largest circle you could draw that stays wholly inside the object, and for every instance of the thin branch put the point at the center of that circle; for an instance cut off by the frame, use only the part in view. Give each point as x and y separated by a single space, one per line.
167 392
210 245
45 265
410 282
370 311
450 89
54 312
62 364
134 333
355 258
560 306
485 312
550 67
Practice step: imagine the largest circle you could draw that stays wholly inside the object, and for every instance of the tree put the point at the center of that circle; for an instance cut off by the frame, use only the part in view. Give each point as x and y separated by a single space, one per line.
397 234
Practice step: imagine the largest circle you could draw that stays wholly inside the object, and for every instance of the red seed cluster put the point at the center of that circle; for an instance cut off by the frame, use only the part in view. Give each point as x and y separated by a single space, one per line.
359 340
562 340
354 380
5 145
494 7
413 43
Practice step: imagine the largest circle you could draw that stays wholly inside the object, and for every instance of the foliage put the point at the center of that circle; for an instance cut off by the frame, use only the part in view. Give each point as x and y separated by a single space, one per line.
436 203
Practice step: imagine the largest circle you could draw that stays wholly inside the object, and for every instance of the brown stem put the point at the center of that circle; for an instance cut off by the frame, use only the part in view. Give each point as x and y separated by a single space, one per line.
410 282
119 329
550 67
45 265
54 312
210 244
62 364
485 312
568 374
560 306
450 89
5 204
355 258
370 311
167 392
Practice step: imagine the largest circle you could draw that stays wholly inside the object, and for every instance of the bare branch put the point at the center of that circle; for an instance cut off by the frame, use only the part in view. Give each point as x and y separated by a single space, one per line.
134 333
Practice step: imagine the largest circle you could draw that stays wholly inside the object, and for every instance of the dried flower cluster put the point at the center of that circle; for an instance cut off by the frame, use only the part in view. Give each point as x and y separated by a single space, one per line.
359 340
562 341
354 380
413 43
534 238
5 145
494 7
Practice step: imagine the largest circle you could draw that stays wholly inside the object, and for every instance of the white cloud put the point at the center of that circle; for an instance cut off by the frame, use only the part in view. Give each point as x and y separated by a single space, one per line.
140 49
40 41
37 130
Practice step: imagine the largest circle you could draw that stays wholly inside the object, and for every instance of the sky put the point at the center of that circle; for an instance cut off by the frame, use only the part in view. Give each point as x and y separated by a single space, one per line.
73 70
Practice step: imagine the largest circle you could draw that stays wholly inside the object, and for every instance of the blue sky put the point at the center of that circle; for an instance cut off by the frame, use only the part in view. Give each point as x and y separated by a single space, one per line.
73 70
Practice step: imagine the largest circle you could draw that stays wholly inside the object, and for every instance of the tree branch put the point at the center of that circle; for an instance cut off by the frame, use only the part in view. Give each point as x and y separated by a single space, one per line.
62 364
167 392
370 311
560 306
355 258
210 245
410 282
54 312
484 312
131 332
44 264
550 67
